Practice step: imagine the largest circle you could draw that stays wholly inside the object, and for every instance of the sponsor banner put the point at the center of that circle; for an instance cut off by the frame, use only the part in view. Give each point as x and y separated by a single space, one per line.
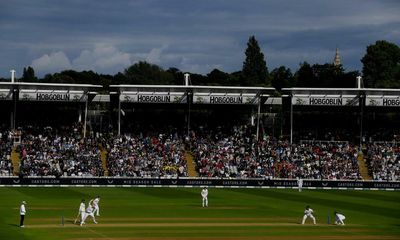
383 101
325 100
225 99
153 98
198 182
5 94
52 96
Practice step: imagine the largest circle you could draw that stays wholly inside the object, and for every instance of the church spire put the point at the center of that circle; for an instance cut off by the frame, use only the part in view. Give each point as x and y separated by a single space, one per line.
336 61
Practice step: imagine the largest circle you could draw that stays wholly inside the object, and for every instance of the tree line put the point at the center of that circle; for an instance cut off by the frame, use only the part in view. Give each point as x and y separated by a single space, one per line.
381 69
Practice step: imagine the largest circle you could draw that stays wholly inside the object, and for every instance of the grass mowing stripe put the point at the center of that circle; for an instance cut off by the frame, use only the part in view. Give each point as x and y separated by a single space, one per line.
313 197
247 213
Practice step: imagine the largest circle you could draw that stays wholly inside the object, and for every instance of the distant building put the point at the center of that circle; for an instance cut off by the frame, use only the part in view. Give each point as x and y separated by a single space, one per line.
336 61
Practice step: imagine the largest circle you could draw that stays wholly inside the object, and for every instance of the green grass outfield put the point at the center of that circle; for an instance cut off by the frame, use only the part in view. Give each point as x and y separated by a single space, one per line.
176 213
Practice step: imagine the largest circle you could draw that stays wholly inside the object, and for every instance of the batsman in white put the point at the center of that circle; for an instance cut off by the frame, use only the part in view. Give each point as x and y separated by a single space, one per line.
96 206
81 212
339 218
308 213
204 195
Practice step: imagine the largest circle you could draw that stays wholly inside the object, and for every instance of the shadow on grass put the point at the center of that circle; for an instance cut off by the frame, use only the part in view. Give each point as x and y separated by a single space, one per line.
13 225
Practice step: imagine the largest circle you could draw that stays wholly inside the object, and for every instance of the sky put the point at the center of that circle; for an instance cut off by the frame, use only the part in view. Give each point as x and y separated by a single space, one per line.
192 35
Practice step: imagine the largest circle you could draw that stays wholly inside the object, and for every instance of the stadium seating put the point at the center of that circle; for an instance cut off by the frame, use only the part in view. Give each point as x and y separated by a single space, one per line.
139 156
384 161
239 155
5 153
218 153
53 153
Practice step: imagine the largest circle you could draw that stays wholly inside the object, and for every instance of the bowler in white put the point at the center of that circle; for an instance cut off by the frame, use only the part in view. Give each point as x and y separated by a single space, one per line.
82 211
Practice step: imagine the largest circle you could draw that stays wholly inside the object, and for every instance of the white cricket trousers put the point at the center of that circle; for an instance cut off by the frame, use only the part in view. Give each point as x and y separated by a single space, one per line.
306 216
205 202
96 210
83 217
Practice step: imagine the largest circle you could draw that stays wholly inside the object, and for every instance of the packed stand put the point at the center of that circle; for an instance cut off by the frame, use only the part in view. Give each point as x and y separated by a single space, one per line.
239 155
59 152
223 152
223 155
384 161
6 168
146 156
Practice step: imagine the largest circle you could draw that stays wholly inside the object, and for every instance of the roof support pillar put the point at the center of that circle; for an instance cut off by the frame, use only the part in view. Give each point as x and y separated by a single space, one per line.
258 117
291 119
119 113
86 112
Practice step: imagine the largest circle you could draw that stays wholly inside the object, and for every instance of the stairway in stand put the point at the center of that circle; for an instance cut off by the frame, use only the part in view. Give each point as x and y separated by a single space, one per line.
103 157
363 167
16 161
191 167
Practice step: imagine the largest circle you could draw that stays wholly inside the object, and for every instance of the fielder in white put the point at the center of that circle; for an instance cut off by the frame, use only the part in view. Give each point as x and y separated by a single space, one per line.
339 218
89 212
204 195
96 206
308 213
300 183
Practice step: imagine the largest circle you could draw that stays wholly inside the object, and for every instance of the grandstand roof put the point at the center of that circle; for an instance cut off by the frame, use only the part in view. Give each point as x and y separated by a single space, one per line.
203 89
343 91
50 86
339 91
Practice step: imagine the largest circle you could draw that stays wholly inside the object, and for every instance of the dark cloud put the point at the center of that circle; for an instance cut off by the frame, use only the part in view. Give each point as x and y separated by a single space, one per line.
107 36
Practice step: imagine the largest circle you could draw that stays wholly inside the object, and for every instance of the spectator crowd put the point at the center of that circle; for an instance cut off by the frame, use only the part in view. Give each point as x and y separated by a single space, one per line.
59 153
158 155
6 168
384 161
230 152
239 155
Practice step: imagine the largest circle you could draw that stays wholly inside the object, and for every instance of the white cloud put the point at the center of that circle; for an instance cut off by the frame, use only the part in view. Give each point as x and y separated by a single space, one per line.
208 33
56 61
155 55
103 59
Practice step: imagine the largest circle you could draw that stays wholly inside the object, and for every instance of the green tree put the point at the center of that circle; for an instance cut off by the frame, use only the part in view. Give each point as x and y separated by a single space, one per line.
254 70
281 77
218 77
177 76
324 75
146 73
327 75
235 78
119 78
349 79
28 75
62 78
305 76
381 64
198 79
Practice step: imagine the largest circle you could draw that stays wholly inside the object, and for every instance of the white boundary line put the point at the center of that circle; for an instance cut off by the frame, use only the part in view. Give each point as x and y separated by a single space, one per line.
197 186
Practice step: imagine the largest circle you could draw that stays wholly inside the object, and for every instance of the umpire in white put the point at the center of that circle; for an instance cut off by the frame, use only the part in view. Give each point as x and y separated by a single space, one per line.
22 212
